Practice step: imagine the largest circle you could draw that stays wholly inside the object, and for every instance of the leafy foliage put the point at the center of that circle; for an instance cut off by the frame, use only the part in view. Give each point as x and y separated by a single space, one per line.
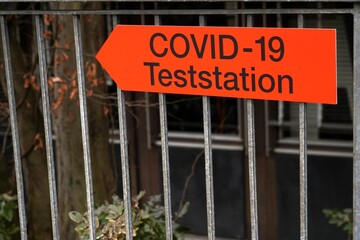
8 227
341 218
148 221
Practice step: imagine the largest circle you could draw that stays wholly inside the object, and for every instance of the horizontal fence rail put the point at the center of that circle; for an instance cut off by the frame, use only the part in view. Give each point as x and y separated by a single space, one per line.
248 118
178 11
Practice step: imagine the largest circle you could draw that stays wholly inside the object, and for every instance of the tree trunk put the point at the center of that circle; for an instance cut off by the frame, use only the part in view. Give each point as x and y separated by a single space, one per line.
66 123
34 159
69 151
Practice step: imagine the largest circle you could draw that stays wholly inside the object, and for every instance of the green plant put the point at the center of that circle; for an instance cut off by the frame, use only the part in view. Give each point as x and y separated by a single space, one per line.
8 227
148 220
341 218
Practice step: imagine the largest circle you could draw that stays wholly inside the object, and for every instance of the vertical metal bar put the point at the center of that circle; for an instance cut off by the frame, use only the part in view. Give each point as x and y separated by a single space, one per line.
147 99
125 163
210 209
280 103
236 16
356 128
84 124
252 160
278 16
267 130
266 103
147 120
165 165
319 106
142 16
14 128
303 161
47 126
243 16
239 118
264 19
303 172
124 158
165 159
208 169
252 169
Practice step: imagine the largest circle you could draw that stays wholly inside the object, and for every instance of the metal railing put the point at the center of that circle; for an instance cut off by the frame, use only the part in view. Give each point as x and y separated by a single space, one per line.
250 134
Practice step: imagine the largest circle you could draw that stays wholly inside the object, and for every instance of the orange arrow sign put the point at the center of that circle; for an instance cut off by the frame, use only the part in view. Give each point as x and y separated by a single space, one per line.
258 63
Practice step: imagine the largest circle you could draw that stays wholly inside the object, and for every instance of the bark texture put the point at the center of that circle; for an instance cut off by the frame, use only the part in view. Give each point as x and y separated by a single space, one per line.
30 125
67 125
65 120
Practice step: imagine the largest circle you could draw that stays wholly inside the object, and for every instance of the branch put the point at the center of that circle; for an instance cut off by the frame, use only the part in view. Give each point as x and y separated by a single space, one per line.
3 148
188 178
17 107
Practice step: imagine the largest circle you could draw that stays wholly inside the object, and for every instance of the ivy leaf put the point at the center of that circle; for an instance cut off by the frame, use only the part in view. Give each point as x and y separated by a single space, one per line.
99 234
14 229
76 216
148 220
8 213
184 209
81 227
139 196
116 210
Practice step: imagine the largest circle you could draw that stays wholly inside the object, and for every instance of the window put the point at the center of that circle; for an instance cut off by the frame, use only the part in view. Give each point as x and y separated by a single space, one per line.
326 122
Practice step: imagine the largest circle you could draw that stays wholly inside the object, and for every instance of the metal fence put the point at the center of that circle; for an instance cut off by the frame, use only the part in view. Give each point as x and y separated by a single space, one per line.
157 14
